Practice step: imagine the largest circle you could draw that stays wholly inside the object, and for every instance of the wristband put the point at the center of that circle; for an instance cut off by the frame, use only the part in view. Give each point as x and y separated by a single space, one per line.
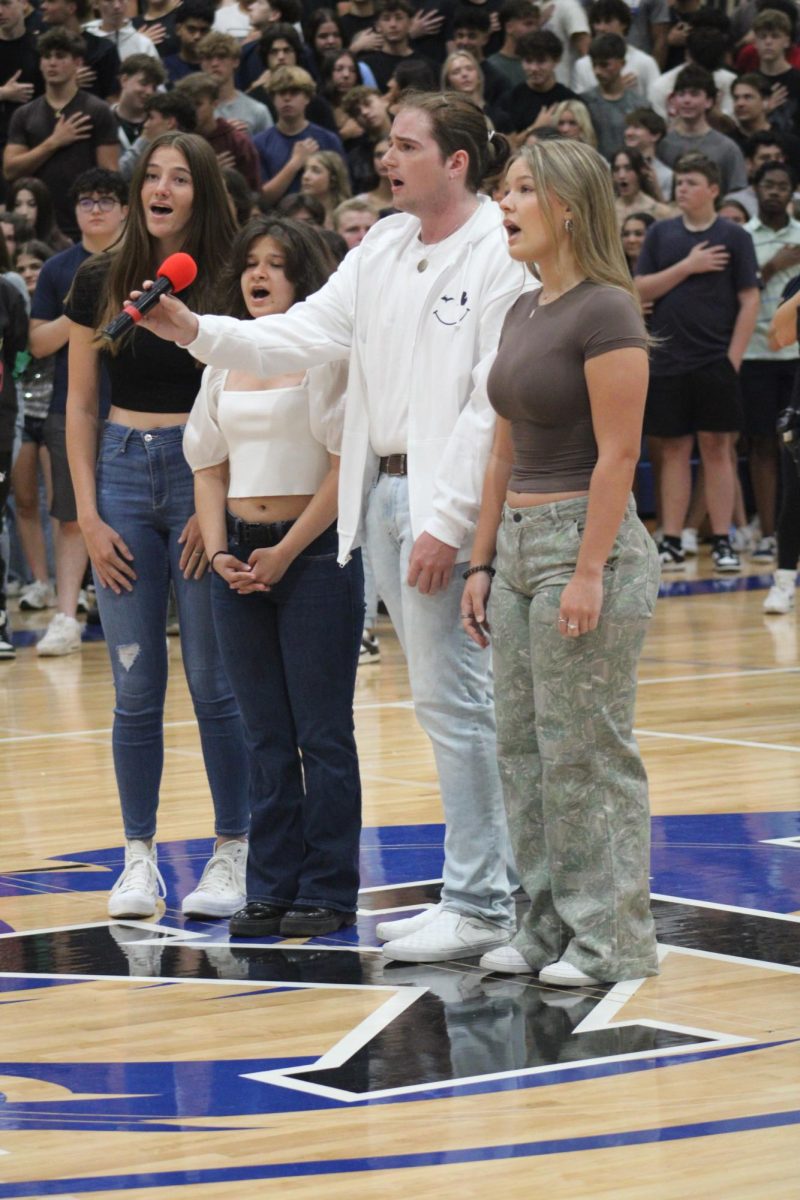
216 555
490 571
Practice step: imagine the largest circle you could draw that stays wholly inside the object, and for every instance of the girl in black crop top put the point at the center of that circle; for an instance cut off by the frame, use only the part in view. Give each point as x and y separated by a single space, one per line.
136 511
576 579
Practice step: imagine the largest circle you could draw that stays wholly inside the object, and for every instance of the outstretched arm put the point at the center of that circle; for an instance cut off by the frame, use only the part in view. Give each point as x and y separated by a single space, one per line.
318 330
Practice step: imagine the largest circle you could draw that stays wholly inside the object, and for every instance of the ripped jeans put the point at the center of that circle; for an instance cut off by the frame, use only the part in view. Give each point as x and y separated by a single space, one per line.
145 491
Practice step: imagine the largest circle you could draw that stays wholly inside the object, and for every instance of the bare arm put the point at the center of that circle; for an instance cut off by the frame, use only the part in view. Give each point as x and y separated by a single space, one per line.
275 188
701 258
110 556
745 325
107 157
783 327
47 337
617 384
658 43
580 43
495 486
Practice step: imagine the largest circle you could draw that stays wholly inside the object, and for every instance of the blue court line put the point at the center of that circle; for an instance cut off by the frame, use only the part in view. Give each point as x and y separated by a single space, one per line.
393 1162
705 587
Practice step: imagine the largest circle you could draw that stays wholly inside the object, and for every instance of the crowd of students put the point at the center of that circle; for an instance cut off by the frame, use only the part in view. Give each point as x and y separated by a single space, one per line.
296 101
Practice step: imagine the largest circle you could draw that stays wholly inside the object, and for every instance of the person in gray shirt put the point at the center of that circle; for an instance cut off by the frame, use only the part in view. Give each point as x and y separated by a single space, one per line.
219 55
694 95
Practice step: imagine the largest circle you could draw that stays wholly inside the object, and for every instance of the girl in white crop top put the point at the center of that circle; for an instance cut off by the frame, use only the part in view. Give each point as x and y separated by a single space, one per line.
265 458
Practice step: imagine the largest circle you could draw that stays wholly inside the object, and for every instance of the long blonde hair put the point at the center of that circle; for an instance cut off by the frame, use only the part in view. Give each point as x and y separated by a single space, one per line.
582 119
581 179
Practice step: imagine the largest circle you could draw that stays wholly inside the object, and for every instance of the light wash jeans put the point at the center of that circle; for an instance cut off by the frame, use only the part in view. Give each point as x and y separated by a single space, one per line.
145 491
451 685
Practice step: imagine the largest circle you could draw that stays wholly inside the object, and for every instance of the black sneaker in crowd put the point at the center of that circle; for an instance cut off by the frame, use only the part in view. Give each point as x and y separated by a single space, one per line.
370 651
671 557
725 558
6 645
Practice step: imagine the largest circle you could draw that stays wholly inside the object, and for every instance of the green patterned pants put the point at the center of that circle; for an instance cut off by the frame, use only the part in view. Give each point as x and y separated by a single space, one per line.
574 783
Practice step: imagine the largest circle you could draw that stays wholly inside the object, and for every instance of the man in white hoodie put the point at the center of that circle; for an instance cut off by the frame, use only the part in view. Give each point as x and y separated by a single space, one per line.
415 308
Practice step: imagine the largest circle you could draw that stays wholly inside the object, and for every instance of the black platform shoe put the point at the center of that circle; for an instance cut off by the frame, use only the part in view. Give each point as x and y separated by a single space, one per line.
311 922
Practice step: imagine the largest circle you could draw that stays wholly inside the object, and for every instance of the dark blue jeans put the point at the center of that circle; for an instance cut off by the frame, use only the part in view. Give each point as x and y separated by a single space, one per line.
291 656
145 490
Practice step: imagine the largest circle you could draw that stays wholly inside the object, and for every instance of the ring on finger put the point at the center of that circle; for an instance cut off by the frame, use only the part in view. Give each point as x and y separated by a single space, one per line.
572 626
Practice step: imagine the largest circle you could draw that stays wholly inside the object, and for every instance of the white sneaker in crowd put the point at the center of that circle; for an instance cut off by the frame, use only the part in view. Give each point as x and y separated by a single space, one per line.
780 597
63 636
6 645
222 889
84 603
765 550
449 935
387 931
36 596
136 892
689 542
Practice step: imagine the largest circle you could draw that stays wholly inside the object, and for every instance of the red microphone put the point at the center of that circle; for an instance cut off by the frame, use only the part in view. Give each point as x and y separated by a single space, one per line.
174 274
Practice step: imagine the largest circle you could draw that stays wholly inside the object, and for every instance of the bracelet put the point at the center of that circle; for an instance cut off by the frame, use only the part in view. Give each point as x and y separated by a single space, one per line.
490 571
216 554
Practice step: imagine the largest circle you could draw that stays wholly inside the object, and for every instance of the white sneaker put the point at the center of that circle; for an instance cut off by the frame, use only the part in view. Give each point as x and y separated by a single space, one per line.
84 603
563 974
780 597
764 550
136 892
449 935
63 636
36 596
387 931
222 889
689 544
507 960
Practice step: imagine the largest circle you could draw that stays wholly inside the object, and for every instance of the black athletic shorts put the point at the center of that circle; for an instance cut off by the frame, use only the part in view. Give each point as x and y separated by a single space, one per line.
707 399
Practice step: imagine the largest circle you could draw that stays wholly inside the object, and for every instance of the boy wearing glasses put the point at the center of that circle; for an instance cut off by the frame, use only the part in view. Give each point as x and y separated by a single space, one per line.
100 199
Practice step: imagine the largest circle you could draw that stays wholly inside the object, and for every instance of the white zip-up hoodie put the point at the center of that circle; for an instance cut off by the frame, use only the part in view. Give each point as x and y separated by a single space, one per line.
450 420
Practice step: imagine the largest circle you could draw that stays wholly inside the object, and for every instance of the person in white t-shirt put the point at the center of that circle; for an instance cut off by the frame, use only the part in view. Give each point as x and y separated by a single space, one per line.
640 71
568 21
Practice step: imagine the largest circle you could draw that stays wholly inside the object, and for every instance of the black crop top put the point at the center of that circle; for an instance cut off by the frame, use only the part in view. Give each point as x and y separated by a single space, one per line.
146 374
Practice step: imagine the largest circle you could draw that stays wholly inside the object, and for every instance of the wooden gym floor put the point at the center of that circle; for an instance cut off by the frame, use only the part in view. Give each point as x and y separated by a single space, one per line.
158 1060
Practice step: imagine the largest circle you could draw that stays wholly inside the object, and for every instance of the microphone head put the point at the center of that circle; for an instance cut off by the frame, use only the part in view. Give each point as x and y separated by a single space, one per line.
180 269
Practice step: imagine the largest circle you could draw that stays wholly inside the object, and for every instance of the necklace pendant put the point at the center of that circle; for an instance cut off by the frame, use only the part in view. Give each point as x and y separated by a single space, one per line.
422 265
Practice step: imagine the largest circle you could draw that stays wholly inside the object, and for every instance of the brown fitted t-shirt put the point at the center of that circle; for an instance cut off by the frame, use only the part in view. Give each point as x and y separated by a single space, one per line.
537 380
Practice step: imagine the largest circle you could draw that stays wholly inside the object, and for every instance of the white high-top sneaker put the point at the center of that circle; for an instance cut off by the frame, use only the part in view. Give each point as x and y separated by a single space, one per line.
780 597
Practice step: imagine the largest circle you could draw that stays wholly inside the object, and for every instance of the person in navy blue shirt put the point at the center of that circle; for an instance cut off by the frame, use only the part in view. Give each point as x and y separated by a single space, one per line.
100 200
285 149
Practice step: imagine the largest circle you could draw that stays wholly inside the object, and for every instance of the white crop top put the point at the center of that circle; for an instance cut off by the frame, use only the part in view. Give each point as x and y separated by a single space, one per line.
277 440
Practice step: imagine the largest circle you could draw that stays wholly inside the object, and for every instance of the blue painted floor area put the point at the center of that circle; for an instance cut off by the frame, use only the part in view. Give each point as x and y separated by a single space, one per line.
464 1031
721 859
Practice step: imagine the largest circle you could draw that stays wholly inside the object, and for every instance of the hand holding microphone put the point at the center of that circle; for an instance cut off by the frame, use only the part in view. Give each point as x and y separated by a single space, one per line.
175 273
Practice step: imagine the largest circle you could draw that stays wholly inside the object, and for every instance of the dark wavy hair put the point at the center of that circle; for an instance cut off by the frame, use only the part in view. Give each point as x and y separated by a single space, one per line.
309 260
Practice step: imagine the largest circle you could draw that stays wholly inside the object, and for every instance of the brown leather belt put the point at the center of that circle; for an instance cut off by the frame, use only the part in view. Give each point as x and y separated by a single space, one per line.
394 464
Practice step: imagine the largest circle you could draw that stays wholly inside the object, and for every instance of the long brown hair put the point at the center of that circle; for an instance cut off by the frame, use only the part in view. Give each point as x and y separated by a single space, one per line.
208 236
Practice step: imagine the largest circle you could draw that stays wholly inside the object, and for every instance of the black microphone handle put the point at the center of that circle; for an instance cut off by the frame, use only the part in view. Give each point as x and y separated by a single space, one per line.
124 321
